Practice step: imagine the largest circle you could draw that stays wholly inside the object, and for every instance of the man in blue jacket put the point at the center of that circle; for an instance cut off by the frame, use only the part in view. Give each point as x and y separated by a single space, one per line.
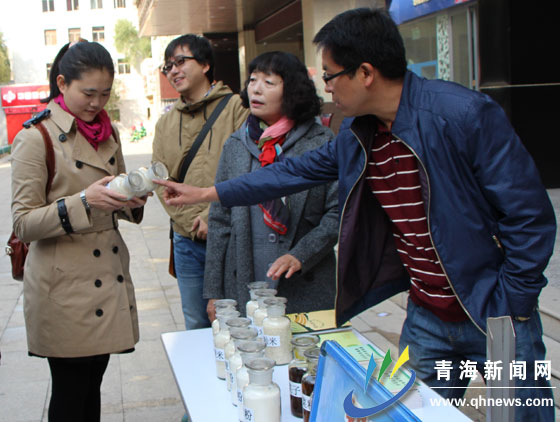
437 195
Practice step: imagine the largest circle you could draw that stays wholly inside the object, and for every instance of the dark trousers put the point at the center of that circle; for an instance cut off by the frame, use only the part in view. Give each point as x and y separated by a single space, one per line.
76 388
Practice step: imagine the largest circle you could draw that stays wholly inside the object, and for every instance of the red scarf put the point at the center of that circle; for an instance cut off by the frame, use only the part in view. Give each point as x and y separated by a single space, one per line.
275 212
96 131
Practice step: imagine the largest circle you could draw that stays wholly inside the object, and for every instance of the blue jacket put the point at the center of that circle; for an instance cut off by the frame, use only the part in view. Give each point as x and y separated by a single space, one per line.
490 218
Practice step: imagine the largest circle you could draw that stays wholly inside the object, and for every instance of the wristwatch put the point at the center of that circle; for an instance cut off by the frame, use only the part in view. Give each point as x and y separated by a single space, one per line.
84 200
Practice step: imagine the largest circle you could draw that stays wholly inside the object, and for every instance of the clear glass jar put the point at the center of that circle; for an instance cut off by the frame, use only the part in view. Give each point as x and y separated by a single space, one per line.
248 350
297 368
277 334
238 324
261 312
239 335
259 293
308 381
252 304
220 341
120 184
220 305
261 398
141 180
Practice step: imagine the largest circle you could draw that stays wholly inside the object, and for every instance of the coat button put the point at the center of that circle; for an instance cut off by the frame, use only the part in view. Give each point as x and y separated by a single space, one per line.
96 253
79 164
62 137
115 249
131 307
98 283
272 238
120 278
99 312
112 160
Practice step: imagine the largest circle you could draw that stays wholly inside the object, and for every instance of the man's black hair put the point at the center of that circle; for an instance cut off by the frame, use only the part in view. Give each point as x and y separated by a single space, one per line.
364 35
300 101
200 48
74 59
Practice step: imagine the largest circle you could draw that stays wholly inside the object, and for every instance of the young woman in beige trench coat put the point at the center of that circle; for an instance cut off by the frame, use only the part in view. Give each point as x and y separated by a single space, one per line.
79 300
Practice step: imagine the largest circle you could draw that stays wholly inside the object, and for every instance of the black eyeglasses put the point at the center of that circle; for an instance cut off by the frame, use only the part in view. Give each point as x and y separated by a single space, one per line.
179 60
327 78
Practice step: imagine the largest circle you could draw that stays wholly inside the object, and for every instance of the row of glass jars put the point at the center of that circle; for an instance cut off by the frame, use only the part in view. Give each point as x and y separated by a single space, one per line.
237 344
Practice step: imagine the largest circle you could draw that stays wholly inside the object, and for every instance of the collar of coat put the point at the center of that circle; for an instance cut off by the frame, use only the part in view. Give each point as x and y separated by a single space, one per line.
219 90
81 149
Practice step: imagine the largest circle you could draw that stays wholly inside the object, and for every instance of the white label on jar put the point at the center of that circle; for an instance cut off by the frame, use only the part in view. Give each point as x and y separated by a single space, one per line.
227 365
239 398
219 353
306 402
230 376
259 331
295 389
272 341
248 415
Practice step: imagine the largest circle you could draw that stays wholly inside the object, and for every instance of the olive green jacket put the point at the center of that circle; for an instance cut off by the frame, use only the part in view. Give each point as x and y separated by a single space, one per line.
175 133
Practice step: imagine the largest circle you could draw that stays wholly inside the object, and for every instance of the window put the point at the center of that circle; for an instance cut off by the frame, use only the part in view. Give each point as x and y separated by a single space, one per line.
123 66
49 67
50 36
97 4
119 3
98 33
72 5
74 34
48 5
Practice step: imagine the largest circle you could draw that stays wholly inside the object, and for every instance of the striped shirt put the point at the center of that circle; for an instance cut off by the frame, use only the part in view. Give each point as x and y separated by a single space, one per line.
393 176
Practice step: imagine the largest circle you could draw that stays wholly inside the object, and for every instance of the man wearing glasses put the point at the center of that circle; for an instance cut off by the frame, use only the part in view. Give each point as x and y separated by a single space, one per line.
189 68
438 196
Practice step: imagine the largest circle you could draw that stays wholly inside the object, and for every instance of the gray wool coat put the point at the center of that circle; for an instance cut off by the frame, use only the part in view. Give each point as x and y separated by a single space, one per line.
312 231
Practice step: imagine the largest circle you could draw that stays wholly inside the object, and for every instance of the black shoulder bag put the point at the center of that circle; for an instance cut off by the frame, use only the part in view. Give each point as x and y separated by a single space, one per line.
187 162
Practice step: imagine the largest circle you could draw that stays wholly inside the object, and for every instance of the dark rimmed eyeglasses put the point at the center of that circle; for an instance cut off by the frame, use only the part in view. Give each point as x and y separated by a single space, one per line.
327 78
179 60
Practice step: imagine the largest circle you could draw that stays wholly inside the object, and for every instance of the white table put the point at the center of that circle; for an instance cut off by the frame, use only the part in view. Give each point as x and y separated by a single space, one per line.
205 397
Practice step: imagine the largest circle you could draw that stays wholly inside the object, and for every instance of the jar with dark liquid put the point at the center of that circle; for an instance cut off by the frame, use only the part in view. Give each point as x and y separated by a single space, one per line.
297 368
308 381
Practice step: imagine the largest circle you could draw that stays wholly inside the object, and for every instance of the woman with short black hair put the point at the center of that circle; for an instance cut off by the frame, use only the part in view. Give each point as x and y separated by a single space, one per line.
292 238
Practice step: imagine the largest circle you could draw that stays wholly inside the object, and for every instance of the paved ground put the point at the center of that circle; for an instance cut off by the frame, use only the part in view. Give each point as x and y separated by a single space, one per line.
139 386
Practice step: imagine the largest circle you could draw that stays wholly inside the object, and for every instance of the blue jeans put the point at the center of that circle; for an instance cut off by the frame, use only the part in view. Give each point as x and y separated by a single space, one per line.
430 339
189 266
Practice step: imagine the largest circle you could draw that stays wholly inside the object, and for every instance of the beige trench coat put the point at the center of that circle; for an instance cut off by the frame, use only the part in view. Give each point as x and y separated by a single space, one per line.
78 294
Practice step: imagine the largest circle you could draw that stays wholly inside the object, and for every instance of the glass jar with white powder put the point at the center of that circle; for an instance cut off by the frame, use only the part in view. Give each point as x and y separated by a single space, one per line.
261 312
221 305
248 350
277 334
238 323
259 294
261 398
252 304
239 335
220 341
120 184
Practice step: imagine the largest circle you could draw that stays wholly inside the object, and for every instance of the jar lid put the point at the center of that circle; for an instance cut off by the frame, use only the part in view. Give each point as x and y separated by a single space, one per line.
239 322
224 303
265 292
252 346
159 170
312 354
247 333
308 340
227 314
275 300
136 180
260 364
258 285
